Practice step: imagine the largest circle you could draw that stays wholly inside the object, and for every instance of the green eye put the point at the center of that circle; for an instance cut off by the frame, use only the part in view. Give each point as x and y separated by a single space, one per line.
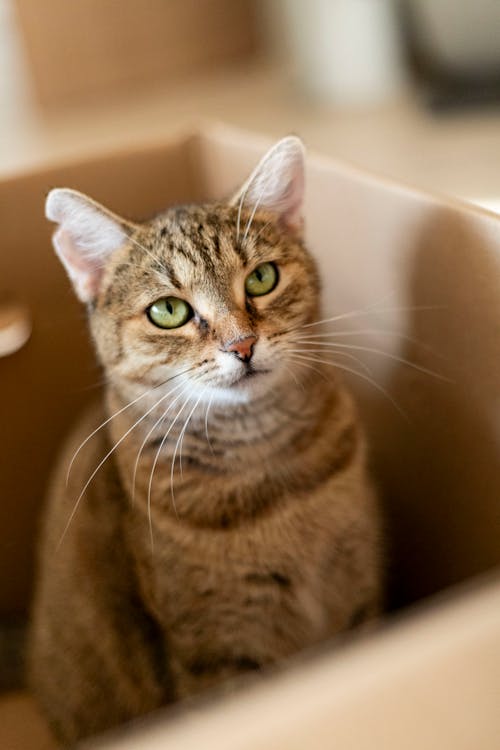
262 280
169 312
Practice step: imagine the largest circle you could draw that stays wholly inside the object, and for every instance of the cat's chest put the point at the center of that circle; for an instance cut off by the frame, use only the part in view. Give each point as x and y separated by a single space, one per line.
241 580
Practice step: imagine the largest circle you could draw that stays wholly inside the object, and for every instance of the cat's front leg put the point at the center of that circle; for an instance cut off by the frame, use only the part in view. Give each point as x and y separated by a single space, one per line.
96 658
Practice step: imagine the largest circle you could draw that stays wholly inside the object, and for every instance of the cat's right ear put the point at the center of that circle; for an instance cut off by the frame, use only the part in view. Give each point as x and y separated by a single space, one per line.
277 183
87 235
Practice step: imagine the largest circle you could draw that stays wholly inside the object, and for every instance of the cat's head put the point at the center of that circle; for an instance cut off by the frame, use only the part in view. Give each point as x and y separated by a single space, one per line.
211 294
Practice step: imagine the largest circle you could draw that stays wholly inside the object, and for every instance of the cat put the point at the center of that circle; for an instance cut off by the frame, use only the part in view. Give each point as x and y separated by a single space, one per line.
218 516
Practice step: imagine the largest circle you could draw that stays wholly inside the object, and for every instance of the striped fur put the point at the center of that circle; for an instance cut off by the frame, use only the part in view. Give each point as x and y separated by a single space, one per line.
267 540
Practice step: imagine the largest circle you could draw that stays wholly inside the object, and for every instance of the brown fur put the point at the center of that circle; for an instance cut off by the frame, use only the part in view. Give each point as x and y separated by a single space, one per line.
267 542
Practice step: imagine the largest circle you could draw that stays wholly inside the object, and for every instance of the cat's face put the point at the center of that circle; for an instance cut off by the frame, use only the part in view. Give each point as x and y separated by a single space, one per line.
208 296
200 302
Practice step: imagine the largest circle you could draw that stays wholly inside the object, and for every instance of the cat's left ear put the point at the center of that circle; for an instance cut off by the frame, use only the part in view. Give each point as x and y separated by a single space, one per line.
87 235
277 183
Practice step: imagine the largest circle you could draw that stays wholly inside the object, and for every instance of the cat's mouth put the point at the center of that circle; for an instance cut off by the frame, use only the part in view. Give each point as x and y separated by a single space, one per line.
250 372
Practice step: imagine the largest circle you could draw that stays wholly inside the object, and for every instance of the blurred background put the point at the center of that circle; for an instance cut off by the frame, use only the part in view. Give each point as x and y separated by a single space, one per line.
406 88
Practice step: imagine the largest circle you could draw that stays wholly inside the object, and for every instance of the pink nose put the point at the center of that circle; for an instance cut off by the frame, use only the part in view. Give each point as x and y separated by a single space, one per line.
243 348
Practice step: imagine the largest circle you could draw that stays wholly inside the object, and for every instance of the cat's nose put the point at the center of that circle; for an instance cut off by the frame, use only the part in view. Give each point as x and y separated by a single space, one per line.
243 348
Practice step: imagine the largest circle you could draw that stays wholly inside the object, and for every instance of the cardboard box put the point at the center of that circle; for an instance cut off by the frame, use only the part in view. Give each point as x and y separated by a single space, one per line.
422 275
90 48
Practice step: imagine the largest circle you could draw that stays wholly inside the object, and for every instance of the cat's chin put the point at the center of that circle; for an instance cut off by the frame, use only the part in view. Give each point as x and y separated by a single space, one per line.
244 389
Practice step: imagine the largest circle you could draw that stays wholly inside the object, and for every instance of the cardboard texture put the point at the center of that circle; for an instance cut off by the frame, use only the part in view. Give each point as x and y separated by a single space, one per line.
420 275
431 682
90 48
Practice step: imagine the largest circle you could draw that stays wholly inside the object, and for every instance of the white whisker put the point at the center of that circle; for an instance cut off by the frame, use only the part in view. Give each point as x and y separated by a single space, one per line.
153 428
370 311
256 205
382 353
262 229
240 206
157 260
206 424
145 249
332 351
360 375
154 467
301 363
289 370
108 454
250 181
371 332
179 443
116 414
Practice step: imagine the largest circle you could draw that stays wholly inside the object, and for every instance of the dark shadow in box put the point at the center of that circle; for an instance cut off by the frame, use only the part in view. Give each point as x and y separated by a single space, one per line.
442 492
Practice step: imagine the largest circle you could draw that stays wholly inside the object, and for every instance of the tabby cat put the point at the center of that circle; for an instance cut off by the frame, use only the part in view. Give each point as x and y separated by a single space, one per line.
218 516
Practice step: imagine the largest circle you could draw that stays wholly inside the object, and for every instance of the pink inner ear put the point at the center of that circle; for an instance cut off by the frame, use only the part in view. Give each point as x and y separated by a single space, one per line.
291 214
84 271
277 183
